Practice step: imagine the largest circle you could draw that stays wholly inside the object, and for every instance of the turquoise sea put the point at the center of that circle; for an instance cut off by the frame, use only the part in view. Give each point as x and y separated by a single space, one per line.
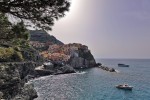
97 84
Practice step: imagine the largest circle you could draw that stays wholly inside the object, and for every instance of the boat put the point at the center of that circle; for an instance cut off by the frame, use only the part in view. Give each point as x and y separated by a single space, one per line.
124 86
123 65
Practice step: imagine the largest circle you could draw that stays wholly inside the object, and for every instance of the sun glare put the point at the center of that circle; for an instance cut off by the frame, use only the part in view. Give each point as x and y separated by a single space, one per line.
74 5
74 8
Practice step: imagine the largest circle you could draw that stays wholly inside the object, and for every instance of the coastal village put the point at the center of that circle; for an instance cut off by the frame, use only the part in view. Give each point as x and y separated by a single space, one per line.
58 52
55 51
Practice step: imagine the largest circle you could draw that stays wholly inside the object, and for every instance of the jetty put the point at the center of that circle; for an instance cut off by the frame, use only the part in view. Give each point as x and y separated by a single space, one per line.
107 68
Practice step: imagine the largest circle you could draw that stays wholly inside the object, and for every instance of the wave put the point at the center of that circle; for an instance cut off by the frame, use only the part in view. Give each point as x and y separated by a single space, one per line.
83 72
40 78
117 71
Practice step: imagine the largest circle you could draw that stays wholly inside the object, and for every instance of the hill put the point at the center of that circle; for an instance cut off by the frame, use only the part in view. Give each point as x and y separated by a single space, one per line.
43 37
74 54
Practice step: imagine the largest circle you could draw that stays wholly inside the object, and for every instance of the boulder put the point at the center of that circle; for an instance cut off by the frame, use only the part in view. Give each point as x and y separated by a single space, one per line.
112 70
27 93
67 69
107 68
12 83
1 95
98 64
44 72
79 62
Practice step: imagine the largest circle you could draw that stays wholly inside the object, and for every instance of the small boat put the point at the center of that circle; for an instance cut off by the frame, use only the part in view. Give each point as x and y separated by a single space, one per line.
124 86
123 65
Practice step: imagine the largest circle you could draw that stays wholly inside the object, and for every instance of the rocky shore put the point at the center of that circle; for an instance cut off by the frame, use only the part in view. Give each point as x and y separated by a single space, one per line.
12 81
15 75
99 65
107 68
51 57
53 69
76 55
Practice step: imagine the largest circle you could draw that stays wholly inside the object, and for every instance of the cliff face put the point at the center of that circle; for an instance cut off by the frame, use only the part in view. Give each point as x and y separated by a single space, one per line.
14 75
30 54
75 54
80 56
12 81
16 63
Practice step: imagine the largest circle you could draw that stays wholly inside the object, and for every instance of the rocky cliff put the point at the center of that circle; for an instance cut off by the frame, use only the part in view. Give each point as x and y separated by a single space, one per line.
17 62
81 58
74 54
14 75
13 79
80 55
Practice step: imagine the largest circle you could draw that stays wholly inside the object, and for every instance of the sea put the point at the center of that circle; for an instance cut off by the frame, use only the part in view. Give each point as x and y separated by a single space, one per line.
98 84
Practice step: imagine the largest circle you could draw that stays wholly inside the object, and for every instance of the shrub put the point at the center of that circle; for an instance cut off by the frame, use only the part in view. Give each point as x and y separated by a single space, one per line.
10 54
6 53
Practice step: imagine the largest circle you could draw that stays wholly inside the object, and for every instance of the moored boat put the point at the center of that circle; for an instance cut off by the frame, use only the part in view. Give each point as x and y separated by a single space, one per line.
124 86
123 65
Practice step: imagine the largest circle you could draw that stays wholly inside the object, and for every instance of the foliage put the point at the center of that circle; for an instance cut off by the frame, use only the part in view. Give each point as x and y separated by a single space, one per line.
5 27
6 52
43 37
9 54
9 31
41 13
18 56
20 31
15 37
12 35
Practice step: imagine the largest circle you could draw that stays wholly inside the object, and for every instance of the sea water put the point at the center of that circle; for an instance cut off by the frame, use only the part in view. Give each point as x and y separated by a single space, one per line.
97 84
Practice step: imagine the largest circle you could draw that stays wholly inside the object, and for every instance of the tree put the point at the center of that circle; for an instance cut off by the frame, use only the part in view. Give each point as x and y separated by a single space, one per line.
42 13
9 31
5 27
20 31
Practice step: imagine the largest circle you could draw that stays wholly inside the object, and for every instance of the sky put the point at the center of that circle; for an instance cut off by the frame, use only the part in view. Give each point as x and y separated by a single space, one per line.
110 28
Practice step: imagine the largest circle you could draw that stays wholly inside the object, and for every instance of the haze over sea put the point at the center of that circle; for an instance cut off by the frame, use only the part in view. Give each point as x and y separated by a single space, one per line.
97 84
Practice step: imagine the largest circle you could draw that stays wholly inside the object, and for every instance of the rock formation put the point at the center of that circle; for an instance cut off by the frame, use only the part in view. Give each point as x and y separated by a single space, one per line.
74 54
54 69
12 81
107 68
65 58
81 57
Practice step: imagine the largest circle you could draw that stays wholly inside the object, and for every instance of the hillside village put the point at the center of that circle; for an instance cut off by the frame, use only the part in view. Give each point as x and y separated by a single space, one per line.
63 52
54 50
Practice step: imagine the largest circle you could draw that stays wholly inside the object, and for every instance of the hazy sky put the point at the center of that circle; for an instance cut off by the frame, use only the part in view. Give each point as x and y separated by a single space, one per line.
110 28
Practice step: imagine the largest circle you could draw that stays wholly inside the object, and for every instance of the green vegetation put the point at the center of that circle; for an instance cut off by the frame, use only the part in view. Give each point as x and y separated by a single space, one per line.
10 54
5 31
20 31
9 32
44 37
13 38
41 13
